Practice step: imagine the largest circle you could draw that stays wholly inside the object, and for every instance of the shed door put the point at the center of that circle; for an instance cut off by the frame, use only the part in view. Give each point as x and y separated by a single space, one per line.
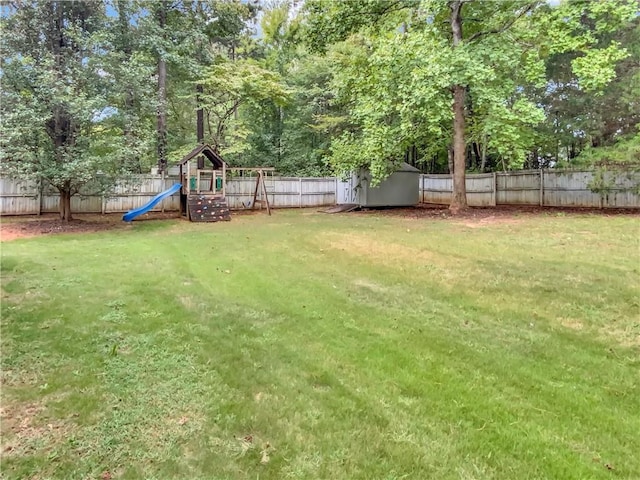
346 192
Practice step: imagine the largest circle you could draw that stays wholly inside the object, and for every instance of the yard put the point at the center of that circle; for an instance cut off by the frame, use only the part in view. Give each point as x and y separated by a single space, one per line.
316 346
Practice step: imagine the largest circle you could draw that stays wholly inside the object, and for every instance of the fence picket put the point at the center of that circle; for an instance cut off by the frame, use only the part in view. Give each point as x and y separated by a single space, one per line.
527 187
552 188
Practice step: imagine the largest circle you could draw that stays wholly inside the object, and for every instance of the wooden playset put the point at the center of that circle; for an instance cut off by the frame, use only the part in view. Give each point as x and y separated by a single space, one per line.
203 196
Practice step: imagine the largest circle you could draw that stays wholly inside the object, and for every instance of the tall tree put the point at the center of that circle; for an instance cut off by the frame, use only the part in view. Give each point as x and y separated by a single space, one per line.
459 195
226 86
161 17
290 136
411 69
53 98
580 118
128 70
185 37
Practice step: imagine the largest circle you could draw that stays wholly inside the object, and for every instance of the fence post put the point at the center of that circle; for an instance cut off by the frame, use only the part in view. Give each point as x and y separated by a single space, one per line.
495 189
541 187
39 197
300 192
104 203
164 185
424 189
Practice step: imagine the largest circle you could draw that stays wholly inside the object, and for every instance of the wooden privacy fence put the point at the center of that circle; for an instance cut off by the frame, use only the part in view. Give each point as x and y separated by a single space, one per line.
530 187
283 192
20 197
549 188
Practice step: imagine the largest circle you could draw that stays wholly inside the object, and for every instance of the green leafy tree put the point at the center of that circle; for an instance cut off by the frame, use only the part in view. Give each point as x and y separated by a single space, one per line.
53 99
228 85
186 37
419 74
290 136
579 118
127 70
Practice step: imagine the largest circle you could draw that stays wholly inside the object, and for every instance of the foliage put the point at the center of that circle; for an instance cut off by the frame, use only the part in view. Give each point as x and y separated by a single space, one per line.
394 72
397 86
623 155
230 84
54 96
290 136
194 35
126 69
625 152
578 119
321 87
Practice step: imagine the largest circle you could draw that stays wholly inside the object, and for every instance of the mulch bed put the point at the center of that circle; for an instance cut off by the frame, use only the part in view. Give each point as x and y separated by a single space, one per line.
32 226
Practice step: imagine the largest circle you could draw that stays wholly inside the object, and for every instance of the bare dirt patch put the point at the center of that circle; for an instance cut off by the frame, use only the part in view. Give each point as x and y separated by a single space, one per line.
187 301
572 323
23 428
13 228
363 245
490 221
374 287
625 336
384 252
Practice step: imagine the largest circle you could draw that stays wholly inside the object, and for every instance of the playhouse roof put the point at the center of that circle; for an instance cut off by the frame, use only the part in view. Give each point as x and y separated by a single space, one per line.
208 152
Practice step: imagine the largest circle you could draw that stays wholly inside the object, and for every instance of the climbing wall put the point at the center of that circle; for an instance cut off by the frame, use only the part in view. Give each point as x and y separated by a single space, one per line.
208 208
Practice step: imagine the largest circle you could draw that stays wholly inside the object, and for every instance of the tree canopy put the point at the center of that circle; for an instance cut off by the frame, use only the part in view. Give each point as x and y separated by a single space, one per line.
98 89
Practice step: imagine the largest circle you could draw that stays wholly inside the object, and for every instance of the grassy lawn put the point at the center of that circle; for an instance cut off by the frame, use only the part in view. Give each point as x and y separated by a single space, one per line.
325 346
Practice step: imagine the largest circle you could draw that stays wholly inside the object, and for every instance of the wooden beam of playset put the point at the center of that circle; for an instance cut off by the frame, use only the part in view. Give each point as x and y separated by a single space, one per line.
251 169
259 179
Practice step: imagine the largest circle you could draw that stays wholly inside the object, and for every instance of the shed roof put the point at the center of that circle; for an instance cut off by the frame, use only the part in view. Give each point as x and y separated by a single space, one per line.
405 167
207 151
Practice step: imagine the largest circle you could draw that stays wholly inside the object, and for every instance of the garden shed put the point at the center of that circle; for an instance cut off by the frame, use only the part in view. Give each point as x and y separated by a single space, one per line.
400 189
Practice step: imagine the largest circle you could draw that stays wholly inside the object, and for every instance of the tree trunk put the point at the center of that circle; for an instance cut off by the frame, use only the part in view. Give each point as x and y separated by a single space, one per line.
199 90
65 204
200 123
162 96
476 154
483 162
450 159
162 116
280 131
199 114
459 196
132 160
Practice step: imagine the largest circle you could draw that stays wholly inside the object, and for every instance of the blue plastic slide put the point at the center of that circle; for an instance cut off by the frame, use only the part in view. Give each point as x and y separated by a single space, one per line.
127 217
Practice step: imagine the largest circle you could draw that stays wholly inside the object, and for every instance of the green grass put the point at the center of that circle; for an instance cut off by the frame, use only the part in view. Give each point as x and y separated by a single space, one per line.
325 346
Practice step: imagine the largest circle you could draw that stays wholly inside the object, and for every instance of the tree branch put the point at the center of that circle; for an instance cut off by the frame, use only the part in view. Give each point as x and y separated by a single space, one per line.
505 27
